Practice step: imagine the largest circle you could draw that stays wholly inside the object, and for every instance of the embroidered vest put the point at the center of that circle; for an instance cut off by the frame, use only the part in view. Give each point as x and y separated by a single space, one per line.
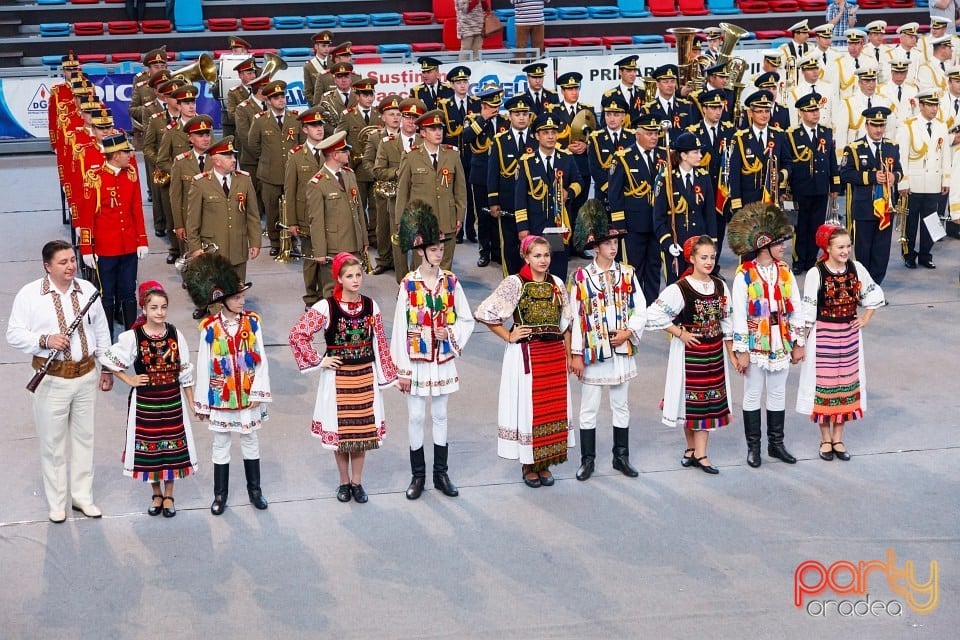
839 294
425 312
233 360
159 358
760 320
539 308
595 301
350 337
702 313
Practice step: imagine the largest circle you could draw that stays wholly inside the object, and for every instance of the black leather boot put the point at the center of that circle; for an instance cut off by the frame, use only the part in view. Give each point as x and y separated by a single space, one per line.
252 469
588 453
130 313
108 312
221 486
419 469
440 478
751 427
775 448
621 452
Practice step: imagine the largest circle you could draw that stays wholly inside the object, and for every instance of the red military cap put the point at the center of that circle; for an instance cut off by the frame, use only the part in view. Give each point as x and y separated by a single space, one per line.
433 118
223 146
199 124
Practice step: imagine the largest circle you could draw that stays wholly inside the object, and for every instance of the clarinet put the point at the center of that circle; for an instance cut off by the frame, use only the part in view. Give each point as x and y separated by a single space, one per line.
40 373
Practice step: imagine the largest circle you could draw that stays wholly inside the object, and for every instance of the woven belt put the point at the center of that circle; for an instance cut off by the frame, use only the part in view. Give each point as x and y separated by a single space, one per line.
66 368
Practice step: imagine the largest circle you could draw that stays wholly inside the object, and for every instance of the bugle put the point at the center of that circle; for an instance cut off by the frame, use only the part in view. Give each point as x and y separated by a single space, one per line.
203 68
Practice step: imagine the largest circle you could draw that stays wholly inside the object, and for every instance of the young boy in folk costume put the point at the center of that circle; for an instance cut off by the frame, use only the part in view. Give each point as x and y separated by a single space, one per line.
609 313
431 326
233 382
767 329
355 362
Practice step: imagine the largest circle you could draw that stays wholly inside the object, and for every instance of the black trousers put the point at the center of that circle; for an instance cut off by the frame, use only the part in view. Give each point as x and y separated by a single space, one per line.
509 245
470 218
642 252
921 205
871 246
811 213
488 232
573 208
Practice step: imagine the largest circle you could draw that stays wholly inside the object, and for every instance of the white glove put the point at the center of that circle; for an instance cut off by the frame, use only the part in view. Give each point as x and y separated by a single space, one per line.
90 259
142 252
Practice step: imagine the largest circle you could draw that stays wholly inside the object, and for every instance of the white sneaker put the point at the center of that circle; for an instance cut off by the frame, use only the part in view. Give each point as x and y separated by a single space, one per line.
90 510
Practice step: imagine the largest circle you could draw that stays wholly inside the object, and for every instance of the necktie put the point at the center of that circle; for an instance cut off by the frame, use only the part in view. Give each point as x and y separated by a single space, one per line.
433 93
280 122
899 93
550 167
263 106
346 98
200 160
366 116
434 156
409 143
463 109
615 137
520 144
760 138
869 103
713 136
876 149
650 164
930 129
690 182
878 53
908 55
226 187
956 106
856 63
537 99
169 119
943 66
340 180
824 57
572 111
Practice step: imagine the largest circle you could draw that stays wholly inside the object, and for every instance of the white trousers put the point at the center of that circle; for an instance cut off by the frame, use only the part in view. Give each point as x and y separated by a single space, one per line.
776 383
62 406
249 446
417 409
590 397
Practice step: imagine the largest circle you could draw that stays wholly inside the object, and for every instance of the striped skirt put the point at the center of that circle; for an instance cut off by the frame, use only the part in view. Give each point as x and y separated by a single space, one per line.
548 368
705 393
837 394
356 421
159 445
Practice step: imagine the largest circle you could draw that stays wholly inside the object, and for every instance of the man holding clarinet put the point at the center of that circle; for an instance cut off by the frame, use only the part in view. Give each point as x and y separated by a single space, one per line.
42 323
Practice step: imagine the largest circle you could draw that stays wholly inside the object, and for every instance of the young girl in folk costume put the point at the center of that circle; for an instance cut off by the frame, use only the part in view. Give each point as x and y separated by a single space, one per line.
767 329
534 423
159 445
233 382
431 326
608 320
832 381
696 311
354 362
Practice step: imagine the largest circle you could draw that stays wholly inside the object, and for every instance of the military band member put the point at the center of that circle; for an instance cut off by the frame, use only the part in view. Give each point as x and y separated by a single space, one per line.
502 167
478 132
632 94
386 168
718 76
569 107
547 179
756 157
156 127
779 115
824 51
926 156
950 99
333 208
303 163
340 98
938 31
870 169
326 81
849 123
173 142
272 135
243 119
771 63
688 209
798 47
360 122
808 82
932 74
842 73
153 61
902 93
606 141
61 96
317 65
432 172
539 96
667 105
632 177
713 43
85 150
431 89
810 160
69 120
907 49
455 111
222 209
246 72
378 211
876 48
143 114
188 164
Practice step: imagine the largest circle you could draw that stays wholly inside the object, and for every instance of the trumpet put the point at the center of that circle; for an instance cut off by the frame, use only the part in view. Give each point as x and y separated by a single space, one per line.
160 177
183 261
900 222
286 240
774 178
365 262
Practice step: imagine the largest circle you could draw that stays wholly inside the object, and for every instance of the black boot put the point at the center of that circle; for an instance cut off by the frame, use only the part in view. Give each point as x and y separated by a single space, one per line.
440 478
130 313
221 486
751 427
419 469
108 312
775 446
621 452
588 453
252 469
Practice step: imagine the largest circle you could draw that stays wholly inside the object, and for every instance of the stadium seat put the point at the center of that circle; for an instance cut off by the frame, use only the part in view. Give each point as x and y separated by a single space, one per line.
724 7
550 14
115 1
754 6
385 19
417 17
573 13
261 52
289 22
787 6
509 34
393 48
50 60
923 3
648 38
92 58
223 24
817 5
126 57
321 22
693 7
360 49
902 4
88 28
556 42
426 47
452 43
444 9
296 52
368 59
194 55
55 30
770 34
873 4
505 14
351 20
42 2
587 41
155 26
85 1
603 12
123 27
633 8
183 27
609 41
256 23
663 8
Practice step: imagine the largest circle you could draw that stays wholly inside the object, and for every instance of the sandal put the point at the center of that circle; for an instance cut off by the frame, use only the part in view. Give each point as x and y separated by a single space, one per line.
155 509
172 510
840 453
530 478
828 454
687 460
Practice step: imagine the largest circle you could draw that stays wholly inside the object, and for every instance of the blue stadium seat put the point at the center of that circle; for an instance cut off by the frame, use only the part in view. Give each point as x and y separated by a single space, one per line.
354 20
394 48
190 28
55 30
289 22
188 16
385 19
549 14
51 61
723 7
295 52
51 2
504 14
573 13
510 34
604 13
191 55
649 38
321 22
633 8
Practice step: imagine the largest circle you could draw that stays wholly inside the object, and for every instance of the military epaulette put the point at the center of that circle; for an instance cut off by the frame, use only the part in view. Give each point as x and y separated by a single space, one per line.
596 134
563 152
414 147
317 177
295 112
349 110
621 152
183 155
347 169
584 105
142 83
825 126
148 104
910 120
741 132
693 128
682 100
296 148
526 156
241 172
700 171
610 92
629 131
200 176
450 147
856 143
776 127
172 125
388 138
257 117
502 133
244 103
158 114
443 100
792 128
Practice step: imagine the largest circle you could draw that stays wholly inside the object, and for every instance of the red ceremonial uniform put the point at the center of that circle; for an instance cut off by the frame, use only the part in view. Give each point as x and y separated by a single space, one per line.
60 101
111 217
86 158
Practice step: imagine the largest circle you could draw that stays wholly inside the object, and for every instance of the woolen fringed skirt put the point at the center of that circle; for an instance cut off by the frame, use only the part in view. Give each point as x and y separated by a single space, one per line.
160 444
707 406
837 394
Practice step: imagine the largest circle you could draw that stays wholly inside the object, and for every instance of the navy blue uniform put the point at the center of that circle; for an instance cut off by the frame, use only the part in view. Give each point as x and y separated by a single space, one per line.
424 93
712 161
582 160
502 167
601 148
684 114
749 164
693 213
453 135
478 137
547 97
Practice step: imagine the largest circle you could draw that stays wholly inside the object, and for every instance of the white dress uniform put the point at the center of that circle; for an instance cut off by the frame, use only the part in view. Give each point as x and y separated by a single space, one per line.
914 57
925 156
829 103
849 123
904 98
932 76
949 112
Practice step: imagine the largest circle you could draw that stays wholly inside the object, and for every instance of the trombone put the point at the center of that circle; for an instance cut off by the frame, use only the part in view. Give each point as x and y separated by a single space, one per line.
286 239
673 209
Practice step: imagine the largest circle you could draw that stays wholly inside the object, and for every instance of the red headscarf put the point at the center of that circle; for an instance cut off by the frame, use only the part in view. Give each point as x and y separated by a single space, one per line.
145 289
338 262
822 237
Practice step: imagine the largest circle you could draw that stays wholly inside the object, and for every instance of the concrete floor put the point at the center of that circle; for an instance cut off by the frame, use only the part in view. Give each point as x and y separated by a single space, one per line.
674 553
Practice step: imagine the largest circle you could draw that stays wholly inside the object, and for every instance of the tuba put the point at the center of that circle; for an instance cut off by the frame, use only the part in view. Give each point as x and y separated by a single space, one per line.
688 67
736 66
272 63
202 69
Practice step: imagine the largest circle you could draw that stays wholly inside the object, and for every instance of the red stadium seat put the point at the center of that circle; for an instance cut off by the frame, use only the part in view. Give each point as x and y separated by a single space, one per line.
156 26
663 8
218 53
443 10
754 6
126 57
259 23
223 24
417 17
813 5
88 28
901 4
259 52
784 6
92 58
873 4
115 1
425 47
122 27
84 1
609 41
556 42
771 34
452 43
368 59
587 41
362 49
693 8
